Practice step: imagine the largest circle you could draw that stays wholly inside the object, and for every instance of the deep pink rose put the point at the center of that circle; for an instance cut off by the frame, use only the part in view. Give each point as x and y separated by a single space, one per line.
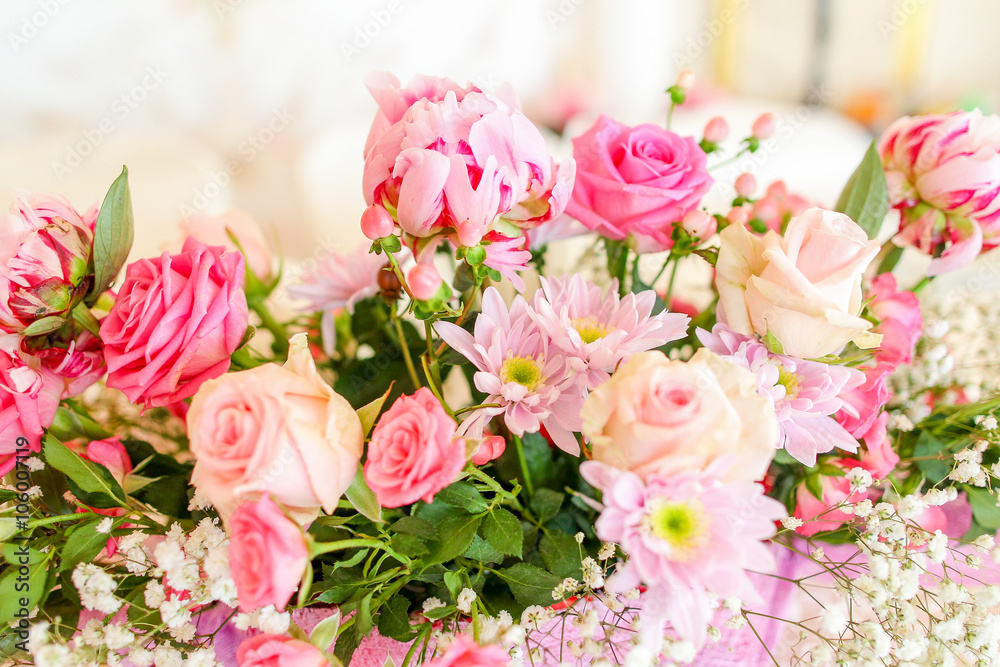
491 448
279 651
879 458
414 452
267 554
944 178
29 397
818 514
45 247
636 181
175 324
446 159
463 651
863 404
900 321
216 230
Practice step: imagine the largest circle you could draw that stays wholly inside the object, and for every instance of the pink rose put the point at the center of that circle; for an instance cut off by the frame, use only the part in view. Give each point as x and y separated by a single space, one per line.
657 416
636 181
80 363
900 321
492 447
29 398
878 457
214 230
414 452
863 404
804 288
277 430
175 324
818 514
267 554
279 651
45 248
943 172
447 159
463 651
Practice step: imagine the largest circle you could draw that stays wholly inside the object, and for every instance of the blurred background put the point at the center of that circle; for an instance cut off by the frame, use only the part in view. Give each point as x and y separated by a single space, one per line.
261 104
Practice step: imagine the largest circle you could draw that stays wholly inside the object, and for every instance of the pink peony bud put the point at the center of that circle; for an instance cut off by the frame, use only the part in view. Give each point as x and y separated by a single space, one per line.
685 80
745 185
699 224
376 223
491 448
739 215
424 281
763 127
716 130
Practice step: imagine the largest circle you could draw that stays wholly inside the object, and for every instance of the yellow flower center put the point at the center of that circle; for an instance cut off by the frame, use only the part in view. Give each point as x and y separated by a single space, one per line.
682 525
590 329
522 370
790 381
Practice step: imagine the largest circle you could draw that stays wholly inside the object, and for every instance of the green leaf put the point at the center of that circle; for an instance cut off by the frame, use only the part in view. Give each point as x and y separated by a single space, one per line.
163 482
363 498
454 581
984 507
412 525
773 344
865 198
325 631
503 531
113 235
18 591
481 551
529 584
83 544
94 484
463 496
70 425
44 325
369 413
814 484
561 554
394 619
546 503
409 545
928 445
457 533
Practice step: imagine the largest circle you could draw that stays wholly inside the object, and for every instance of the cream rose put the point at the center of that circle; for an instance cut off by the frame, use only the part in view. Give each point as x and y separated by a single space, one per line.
804 288
667 417
277 430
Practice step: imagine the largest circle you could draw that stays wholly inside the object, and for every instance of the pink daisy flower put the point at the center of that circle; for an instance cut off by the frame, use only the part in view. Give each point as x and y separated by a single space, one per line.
806 394
688 538
598 330
507 256
533 385
340 280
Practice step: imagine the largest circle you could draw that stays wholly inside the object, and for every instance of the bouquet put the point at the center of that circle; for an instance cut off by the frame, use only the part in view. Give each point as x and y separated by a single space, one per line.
429 451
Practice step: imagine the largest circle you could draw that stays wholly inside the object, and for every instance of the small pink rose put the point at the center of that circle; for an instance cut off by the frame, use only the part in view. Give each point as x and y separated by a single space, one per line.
863 404
267 554
818 514
279 651
29 397
491 448
900 321
879 458
463 651
414 452
175 324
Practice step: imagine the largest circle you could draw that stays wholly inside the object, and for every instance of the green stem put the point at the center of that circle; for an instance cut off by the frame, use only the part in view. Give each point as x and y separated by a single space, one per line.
320 548
405 347
462 411
399 274
271 324
38 523
528 485
670 284
433 386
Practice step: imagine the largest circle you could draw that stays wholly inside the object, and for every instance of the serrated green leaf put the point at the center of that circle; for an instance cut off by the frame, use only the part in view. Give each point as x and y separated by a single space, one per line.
456 533
369 413
503 531
561 554
412 525
529 584
546 503
865 198
94 484
363 498
113 235
481 551
984 507
409 545
463 496
394 619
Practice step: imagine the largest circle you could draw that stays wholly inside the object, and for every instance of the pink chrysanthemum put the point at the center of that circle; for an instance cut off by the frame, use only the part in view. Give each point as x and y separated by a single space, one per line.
533 385
687 538
507 256
805 393
340 280
598 330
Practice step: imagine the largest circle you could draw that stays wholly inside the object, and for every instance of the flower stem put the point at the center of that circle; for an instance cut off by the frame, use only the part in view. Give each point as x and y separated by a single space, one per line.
528 485
399 273
405 347
269 322
670 284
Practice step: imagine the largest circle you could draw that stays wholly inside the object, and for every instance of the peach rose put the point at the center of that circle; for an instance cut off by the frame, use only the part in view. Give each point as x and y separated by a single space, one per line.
278 430
279 651
215 230
667 417
414 452
804 288
267 554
